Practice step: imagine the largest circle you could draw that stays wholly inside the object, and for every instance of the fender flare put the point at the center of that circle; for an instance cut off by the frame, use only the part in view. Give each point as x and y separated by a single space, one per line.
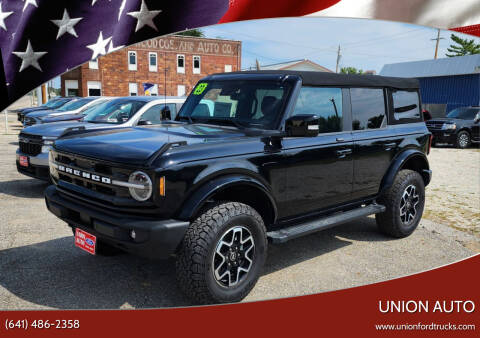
194 203
397 165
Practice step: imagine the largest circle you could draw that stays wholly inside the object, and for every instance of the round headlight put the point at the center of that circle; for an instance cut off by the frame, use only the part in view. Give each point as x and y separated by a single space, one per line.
144 189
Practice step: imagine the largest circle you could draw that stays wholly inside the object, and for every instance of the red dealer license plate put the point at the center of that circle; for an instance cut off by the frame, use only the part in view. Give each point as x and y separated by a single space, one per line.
85 241
23 160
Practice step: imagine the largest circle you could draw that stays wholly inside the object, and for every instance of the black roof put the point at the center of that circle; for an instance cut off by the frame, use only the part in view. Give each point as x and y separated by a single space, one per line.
329 79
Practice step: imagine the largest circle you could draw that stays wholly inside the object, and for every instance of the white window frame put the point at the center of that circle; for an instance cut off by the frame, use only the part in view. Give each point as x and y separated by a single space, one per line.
228 68
150 67
93 64
197 70
132 66
181 70
70 84
94 85
132 85
181 88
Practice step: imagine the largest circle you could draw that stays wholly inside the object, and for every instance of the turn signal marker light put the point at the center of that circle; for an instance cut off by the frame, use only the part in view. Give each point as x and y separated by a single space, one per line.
161 186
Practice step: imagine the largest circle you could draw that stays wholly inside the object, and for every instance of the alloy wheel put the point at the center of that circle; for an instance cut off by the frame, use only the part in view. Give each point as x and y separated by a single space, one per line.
408 204
233 257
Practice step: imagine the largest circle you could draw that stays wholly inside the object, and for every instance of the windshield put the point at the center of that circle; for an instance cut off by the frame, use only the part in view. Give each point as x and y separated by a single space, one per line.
75 104
248 103
113 112
463 113
57 103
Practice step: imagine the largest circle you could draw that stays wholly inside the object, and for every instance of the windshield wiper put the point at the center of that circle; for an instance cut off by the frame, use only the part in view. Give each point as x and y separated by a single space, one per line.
221 121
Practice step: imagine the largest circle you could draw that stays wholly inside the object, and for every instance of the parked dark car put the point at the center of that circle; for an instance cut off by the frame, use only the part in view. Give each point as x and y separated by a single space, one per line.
52 104
19 110
252 157
461 127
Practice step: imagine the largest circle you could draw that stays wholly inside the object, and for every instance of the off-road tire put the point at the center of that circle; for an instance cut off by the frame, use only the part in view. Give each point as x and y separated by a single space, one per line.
389 222
461 137
194 260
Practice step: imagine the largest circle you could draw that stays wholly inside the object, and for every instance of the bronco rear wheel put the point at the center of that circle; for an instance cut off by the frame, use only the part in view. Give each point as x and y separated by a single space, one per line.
222 254
404 201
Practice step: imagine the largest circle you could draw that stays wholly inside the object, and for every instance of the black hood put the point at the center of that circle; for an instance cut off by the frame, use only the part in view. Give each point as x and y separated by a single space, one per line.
136 145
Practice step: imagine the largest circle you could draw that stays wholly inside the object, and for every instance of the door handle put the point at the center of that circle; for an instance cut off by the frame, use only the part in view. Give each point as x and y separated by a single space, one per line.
343 153
340 139
389 146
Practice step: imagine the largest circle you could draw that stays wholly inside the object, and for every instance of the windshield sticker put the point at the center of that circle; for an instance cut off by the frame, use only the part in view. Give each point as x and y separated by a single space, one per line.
200 88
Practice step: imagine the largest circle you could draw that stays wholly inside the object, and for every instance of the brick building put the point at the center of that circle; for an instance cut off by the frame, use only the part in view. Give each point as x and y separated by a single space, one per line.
177 61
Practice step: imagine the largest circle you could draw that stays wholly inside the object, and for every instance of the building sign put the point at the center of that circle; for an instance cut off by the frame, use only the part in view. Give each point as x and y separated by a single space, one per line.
200 46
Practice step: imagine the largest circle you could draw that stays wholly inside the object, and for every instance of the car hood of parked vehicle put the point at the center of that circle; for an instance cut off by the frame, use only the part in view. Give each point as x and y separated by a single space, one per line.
446 120
42 113
135 145
33 109
61 118
57 129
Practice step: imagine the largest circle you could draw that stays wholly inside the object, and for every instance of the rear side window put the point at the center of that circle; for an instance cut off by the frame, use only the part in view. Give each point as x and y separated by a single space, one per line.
368 108
406 106
324 102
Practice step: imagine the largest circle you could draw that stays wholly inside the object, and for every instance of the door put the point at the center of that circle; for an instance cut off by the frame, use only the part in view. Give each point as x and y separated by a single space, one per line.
373 143
476 126
319 169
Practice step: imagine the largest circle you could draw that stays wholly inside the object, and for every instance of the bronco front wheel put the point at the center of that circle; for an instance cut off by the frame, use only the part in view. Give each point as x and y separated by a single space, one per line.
222 254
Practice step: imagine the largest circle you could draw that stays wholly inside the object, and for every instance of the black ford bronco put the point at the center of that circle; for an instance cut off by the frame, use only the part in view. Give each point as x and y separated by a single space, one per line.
251 158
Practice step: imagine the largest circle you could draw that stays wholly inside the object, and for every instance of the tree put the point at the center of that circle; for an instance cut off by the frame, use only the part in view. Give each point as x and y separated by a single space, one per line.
350 70
192 32
462 47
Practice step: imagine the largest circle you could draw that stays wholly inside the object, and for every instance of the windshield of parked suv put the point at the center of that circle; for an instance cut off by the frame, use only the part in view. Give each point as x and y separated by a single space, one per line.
57 103
244 104
72 105
463 113
114 112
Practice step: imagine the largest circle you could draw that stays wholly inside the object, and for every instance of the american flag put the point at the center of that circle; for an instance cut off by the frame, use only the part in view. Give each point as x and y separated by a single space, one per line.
41 39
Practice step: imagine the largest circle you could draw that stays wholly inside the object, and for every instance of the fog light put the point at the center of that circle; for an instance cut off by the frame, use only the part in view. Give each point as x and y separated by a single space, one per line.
133 234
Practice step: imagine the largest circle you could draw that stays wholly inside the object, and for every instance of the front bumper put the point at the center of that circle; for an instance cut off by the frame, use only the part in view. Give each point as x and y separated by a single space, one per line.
157 239
444 136
37 168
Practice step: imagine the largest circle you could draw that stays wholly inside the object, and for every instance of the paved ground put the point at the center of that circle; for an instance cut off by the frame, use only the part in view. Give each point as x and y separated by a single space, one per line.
40 267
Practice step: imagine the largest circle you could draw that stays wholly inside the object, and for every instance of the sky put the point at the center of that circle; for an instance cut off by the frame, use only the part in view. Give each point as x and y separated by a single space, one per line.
365 44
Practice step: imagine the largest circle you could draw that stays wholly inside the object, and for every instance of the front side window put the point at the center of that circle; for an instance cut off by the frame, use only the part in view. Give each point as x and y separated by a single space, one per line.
132 60
324 102
196 65
244 104
368 108
152 62
114 112
181 64
406 105
154 114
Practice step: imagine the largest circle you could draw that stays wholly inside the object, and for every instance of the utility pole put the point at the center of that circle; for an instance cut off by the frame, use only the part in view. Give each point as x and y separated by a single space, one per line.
257 64
339 56
438 42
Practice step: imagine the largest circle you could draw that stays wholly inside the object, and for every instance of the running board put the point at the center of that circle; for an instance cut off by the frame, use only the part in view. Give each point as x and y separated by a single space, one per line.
286 234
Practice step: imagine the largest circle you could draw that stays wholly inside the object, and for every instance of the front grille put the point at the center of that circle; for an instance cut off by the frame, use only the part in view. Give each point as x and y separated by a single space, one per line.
31 149
30 144
93 167
434 125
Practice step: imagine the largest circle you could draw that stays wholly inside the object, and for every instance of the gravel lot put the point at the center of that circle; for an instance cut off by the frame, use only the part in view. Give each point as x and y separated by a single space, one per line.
41 268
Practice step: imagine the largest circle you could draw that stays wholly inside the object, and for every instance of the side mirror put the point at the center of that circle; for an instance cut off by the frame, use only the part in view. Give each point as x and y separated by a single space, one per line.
166 113
477 118
144 123
302 126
